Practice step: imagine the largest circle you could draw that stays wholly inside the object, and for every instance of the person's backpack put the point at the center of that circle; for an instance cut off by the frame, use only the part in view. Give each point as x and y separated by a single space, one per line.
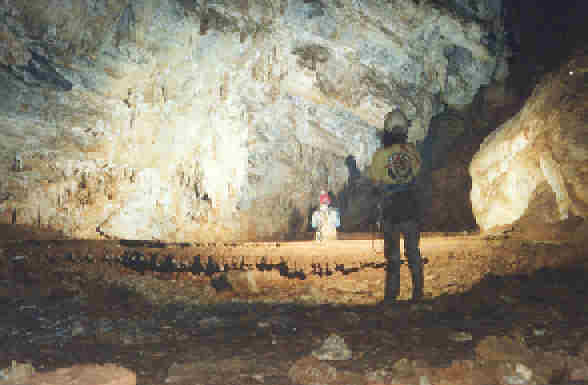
399 167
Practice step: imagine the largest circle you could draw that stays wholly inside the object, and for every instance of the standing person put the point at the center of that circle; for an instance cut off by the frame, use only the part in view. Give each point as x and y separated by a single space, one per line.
393 170
326 219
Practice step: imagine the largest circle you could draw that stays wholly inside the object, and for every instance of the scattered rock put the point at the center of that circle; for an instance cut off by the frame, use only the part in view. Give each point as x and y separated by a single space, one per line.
108 374
509 300
333 349
514 374
539 332
524 371
460 372
498 349
460 336
404 371
311 371
380 376
403 367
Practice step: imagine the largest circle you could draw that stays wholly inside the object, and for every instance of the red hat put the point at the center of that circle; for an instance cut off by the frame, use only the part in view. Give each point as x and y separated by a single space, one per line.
324 198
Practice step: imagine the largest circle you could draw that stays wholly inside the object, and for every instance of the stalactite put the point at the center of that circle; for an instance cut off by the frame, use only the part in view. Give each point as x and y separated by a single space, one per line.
164 94
132 121
226 85
204 18
18 164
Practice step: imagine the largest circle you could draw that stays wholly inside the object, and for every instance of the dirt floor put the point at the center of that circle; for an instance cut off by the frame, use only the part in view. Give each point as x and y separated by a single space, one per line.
65 302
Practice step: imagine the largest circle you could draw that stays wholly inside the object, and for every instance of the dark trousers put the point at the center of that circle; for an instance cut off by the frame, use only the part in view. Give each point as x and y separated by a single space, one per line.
410 231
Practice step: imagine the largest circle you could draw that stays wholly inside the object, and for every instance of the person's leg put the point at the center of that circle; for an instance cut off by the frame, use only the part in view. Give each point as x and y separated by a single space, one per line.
392 254
412 236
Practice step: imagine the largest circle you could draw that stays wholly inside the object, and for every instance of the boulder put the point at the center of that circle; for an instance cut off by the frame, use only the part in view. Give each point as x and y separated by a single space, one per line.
536 164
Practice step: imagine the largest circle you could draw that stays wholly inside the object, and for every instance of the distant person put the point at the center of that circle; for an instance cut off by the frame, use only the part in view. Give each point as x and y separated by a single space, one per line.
326 219
393 170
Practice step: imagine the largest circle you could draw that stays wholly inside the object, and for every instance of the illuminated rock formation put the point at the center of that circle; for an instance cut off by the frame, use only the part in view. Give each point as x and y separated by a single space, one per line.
186 120
536 164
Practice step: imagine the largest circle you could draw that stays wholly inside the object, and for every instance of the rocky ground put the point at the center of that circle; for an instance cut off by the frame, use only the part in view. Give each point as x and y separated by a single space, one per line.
500 310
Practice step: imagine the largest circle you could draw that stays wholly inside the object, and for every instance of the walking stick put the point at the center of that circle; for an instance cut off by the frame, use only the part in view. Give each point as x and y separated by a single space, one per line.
376 227
378 224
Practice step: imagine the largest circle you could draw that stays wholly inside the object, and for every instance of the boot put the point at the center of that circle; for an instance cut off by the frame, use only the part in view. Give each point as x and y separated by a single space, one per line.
392 288
418 281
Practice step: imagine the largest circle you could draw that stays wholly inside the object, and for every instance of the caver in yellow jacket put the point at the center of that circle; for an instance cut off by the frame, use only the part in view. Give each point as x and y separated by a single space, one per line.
398 164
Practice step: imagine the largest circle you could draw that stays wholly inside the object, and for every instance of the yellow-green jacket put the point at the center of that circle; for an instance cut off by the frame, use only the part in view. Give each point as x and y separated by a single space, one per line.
395 165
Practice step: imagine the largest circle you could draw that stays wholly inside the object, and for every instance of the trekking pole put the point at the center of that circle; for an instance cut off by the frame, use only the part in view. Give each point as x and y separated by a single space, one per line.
380 221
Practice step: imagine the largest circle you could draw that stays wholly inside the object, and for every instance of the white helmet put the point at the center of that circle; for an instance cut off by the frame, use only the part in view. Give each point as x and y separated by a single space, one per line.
395 122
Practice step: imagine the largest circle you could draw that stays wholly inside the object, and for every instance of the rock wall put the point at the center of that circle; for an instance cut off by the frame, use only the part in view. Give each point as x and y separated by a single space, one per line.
182 120
536 164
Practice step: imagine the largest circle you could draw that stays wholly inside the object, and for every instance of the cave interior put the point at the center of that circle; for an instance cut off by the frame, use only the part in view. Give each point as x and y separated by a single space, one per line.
196 261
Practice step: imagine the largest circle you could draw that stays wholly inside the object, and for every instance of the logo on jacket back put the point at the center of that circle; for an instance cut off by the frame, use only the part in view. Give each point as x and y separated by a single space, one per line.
399 167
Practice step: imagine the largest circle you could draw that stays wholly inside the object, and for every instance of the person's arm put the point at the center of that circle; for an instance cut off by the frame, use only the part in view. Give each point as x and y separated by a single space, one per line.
416 160
373 170
370 172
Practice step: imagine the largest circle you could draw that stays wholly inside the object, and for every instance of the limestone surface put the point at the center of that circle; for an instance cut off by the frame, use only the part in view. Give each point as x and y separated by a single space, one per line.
187 120
535 166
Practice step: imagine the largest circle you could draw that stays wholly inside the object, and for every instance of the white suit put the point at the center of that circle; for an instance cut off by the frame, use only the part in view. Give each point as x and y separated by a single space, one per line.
326 220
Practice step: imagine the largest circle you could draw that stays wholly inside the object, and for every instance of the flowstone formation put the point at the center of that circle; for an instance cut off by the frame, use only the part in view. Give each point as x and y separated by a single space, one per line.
186 120
533 169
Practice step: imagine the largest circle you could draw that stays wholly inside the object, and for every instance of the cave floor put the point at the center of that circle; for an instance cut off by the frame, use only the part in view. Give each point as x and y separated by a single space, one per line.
59 308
